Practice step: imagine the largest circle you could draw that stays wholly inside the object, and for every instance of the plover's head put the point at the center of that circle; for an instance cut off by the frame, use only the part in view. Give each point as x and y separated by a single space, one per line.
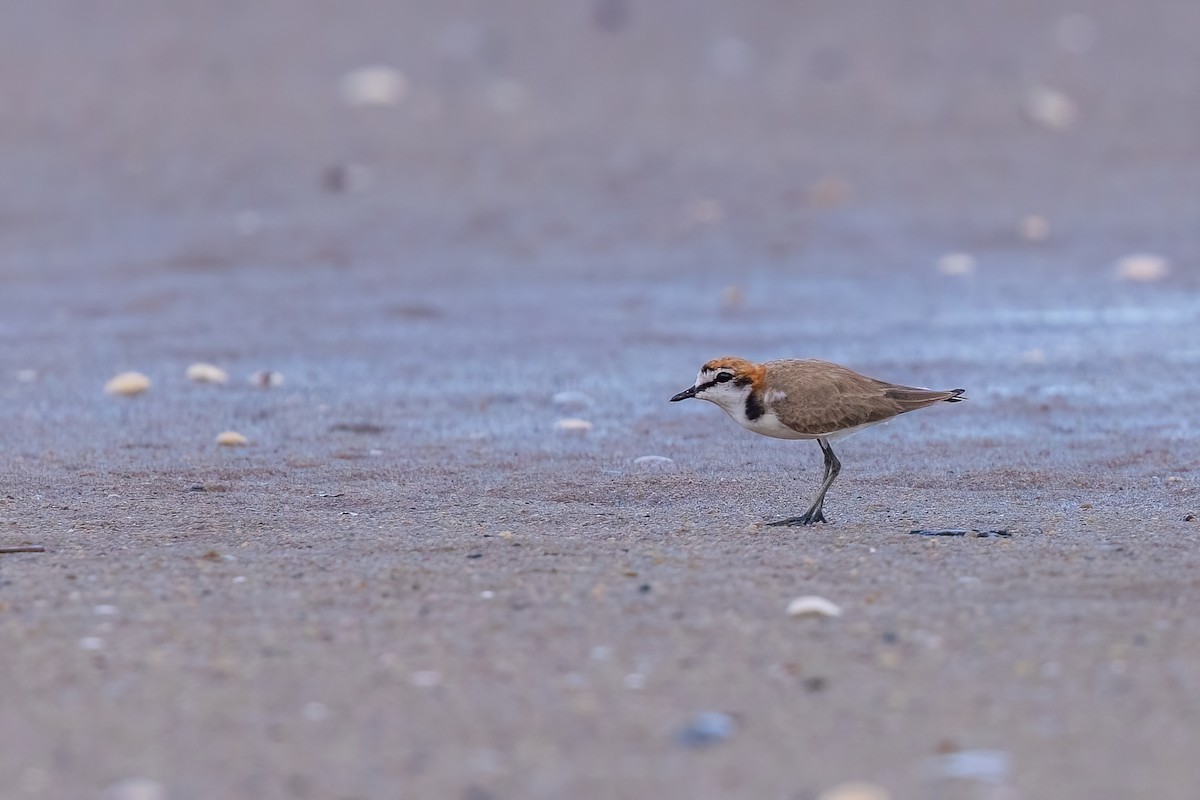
725 381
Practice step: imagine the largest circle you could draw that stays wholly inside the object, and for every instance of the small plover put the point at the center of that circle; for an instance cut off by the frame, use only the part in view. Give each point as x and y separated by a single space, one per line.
807 399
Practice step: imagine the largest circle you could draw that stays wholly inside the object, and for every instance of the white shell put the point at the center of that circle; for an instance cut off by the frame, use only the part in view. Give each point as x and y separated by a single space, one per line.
128 384
206 373
573 424
1143 267
231 439
813 606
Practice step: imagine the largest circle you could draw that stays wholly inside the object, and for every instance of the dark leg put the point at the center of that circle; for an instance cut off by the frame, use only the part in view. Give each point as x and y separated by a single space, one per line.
816 513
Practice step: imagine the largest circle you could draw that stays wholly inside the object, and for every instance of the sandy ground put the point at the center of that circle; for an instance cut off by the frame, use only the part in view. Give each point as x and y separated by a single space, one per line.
410 584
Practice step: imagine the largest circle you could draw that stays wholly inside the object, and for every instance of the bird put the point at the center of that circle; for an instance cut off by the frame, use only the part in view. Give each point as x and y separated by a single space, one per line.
795 398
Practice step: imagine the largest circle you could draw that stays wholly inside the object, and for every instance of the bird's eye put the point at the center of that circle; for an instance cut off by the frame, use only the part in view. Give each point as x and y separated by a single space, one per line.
724 377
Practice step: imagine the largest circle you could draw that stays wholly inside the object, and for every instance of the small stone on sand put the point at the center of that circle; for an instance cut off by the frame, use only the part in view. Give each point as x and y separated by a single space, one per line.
127 384
573 424
232 439
707 728
374 86
1050 108
956 264
1143 268
267 379
206 373
813 606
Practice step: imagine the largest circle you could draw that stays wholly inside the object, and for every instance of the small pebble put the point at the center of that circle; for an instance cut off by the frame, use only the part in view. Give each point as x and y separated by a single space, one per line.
856 790
635 681
1143 268
813 606
1034 228
1050 108
316 712
206 373
707 728
91 643
266 379
105 610
347 178
573 424
232 439
374 86
128 384
27 375
652 460
136 789
505 534
956 264
572 399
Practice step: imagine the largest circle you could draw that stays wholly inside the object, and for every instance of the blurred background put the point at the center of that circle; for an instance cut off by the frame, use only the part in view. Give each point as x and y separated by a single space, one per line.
451 225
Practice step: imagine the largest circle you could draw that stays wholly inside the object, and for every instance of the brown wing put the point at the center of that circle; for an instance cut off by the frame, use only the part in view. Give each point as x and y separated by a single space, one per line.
824 397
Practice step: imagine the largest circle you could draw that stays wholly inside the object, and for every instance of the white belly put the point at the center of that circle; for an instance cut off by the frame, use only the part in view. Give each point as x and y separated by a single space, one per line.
769 425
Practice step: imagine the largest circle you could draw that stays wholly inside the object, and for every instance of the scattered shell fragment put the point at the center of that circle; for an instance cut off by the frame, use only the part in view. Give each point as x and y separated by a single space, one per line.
232 439
652 460
136 789
956 264
813 606
1143 267
1050 108
128 384
267 379
573 424
572 398
856 790
374 86
206 373
707 728
1034 228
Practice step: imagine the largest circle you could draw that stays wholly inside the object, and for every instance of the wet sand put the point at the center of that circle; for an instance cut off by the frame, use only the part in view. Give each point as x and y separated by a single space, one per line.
411 584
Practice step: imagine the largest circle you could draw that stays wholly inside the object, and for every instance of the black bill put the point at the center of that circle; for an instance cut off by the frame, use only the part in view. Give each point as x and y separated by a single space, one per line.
685 394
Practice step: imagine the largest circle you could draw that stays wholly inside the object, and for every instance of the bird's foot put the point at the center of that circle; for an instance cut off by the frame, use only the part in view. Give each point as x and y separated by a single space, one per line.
812 517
